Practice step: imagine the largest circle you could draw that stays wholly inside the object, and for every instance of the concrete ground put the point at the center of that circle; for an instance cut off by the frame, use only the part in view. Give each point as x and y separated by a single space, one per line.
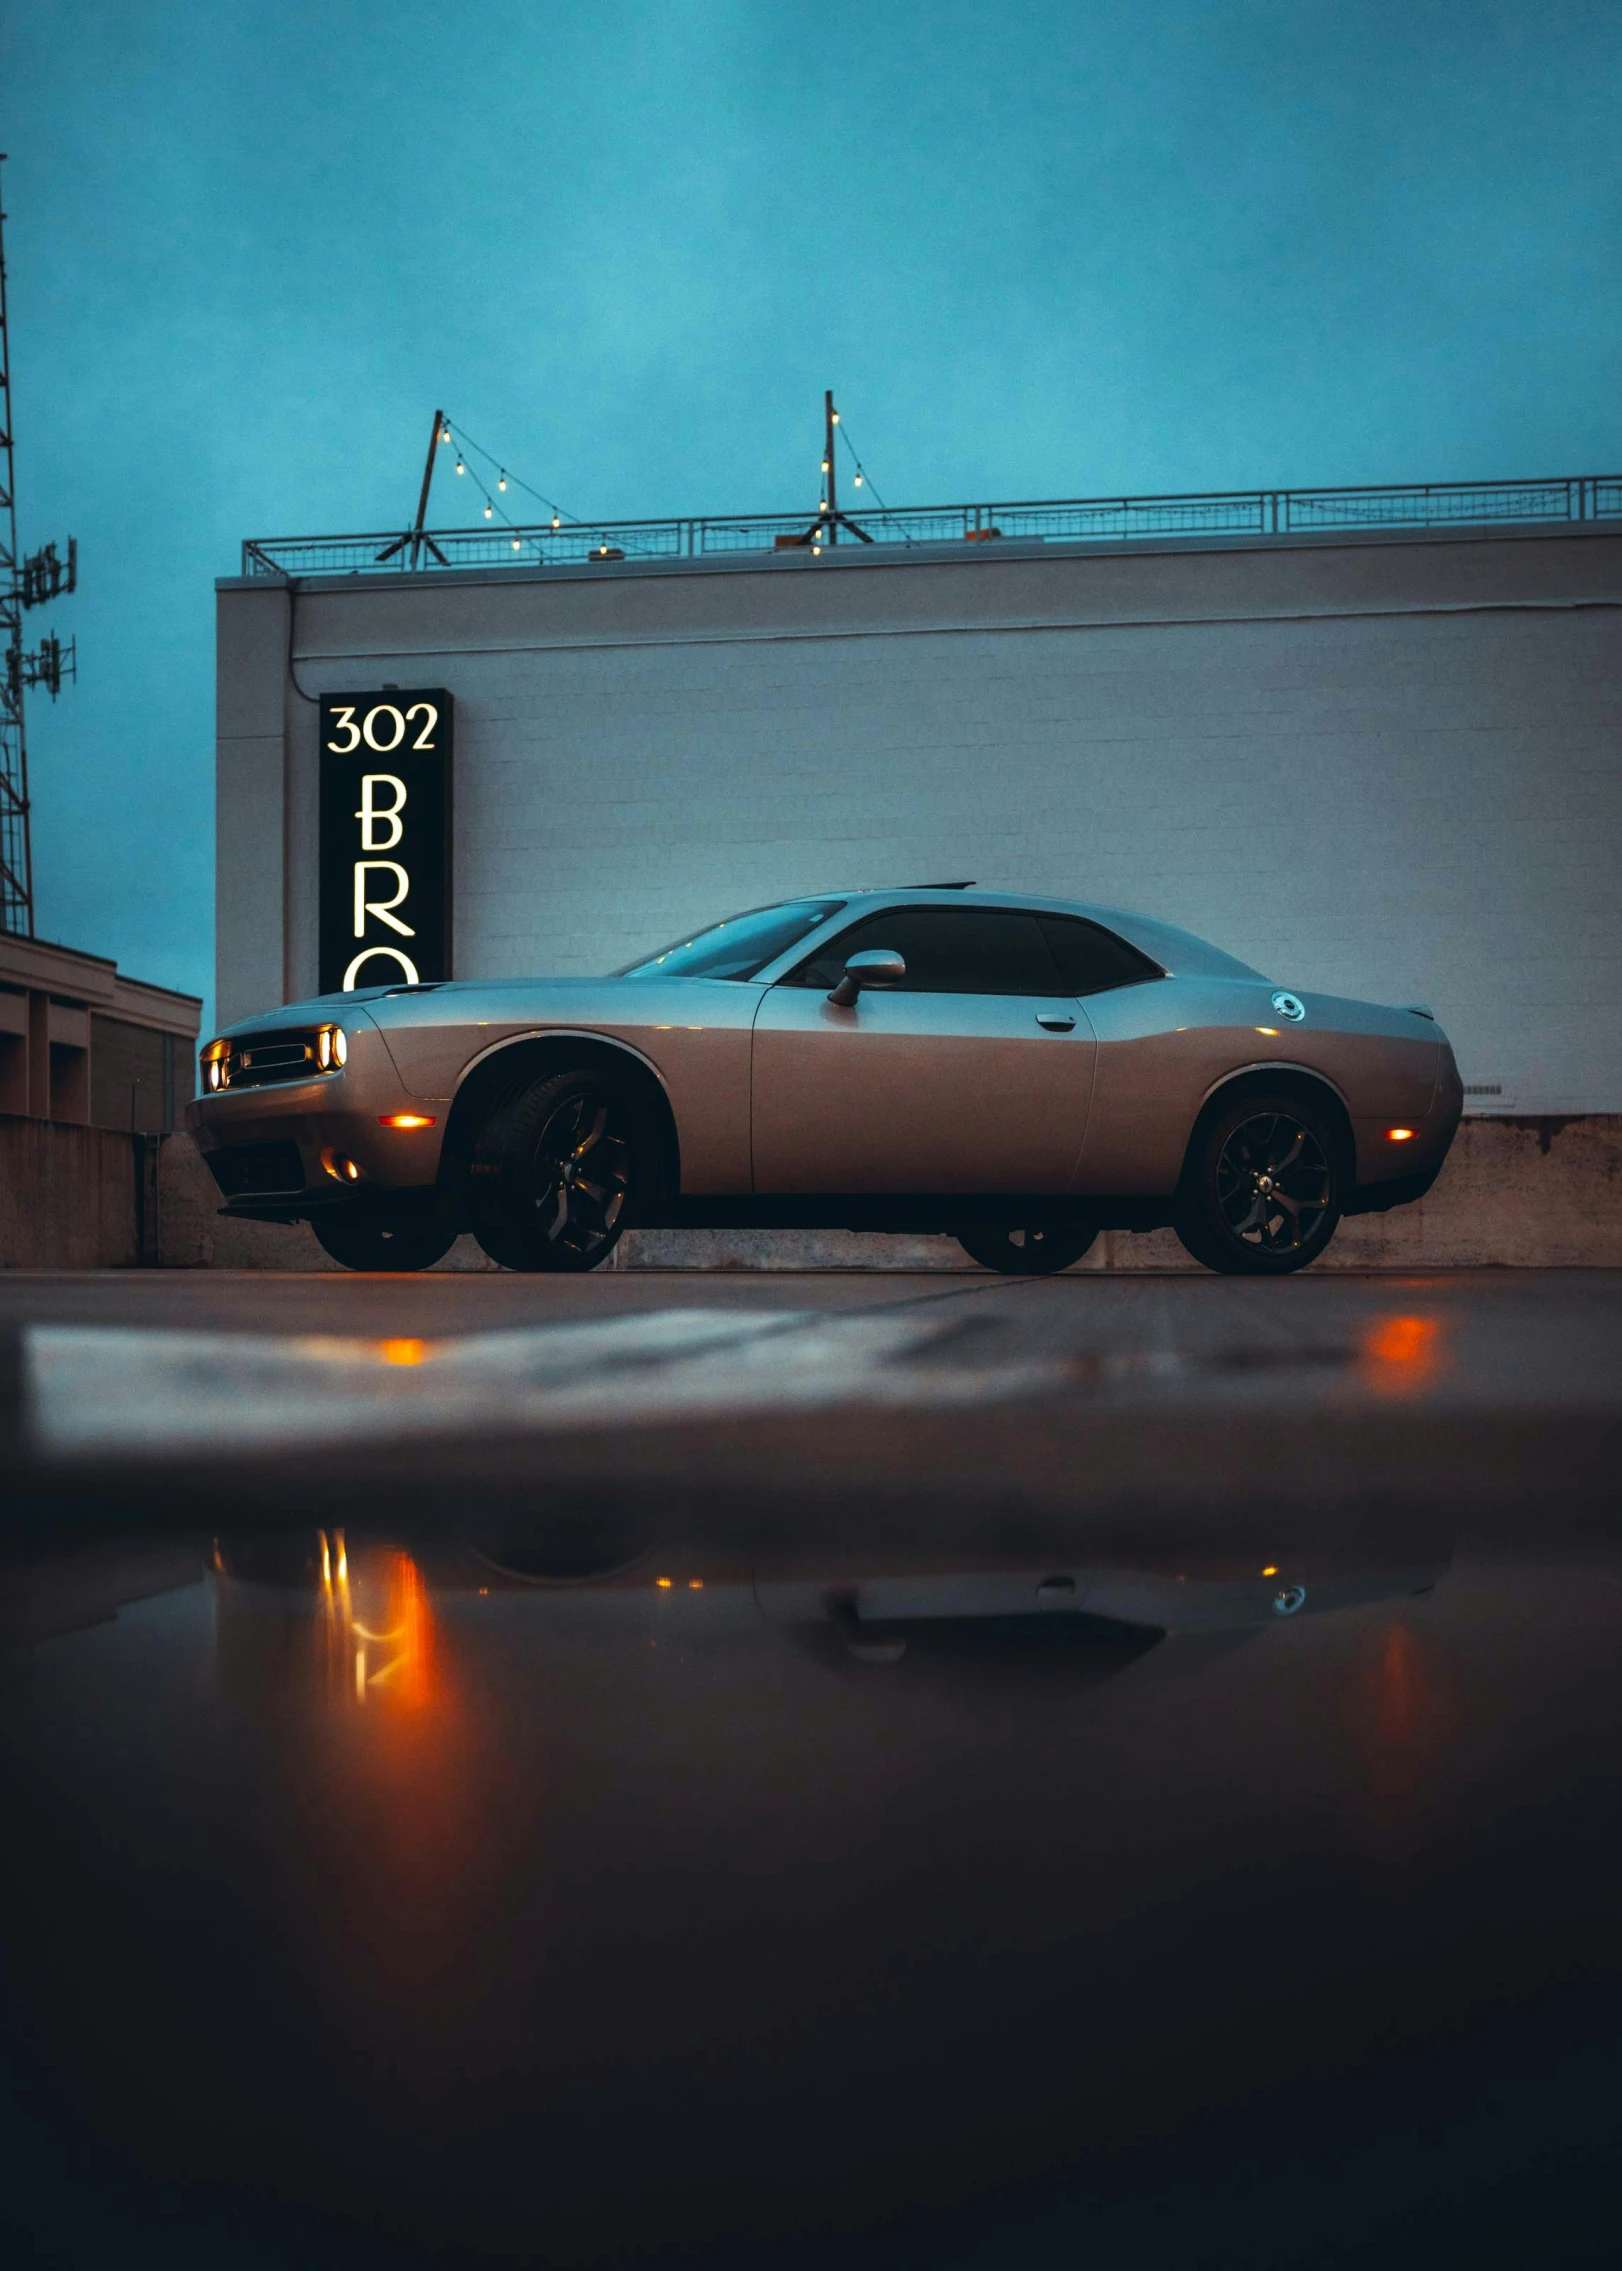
161 1389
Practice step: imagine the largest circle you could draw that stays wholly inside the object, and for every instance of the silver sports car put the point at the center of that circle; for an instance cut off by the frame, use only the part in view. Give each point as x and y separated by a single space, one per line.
1020 1073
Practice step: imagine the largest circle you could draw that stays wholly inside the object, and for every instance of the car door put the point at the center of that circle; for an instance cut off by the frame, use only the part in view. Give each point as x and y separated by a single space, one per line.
974 1075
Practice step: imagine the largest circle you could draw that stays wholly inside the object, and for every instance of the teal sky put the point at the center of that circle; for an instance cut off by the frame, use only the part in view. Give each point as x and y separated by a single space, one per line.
1039 250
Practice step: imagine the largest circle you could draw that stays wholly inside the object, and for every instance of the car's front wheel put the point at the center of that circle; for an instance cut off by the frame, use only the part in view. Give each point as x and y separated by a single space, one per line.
1034 1250
1262 1189
372 1241
552 1172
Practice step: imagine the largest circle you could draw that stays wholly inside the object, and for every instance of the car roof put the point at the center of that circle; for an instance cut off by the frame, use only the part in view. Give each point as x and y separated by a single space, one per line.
1179 951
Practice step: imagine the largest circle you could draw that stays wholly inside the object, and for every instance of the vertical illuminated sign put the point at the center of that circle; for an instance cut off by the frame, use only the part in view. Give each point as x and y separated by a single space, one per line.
385 839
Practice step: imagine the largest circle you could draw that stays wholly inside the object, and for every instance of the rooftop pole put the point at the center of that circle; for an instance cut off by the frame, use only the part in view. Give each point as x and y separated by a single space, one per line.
830 419
427 483
416 538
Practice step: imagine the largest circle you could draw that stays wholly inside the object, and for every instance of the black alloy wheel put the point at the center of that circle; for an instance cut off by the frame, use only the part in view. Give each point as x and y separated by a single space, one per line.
367 1240
1261 1193
1037 1249
551 1173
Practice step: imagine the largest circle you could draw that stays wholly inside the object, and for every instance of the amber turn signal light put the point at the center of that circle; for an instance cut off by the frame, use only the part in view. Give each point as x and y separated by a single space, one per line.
404 1120
1399 1135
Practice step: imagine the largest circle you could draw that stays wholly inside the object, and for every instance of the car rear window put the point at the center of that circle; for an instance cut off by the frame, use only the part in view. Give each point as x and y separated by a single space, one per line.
1092 960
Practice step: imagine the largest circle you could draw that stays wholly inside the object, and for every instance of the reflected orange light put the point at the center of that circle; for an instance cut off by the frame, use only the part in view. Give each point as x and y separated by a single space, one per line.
403 1352
695 1584
404 1120
1271 1570
1270 1030
664 1583
1401 1354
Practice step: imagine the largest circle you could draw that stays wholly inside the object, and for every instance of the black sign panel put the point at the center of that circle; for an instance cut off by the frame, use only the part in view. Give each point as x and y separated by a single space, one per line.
385 839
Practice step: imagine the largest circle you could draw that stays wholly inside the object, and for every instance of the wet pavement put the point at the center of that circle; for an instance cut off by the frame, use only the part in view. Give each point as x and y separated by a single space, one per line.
486 1779
143 1392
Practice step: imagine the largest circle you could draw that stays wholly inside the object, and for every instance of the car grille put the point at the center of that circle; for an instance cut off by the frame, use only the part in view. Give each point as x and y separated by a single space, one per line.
264 1057
255 1168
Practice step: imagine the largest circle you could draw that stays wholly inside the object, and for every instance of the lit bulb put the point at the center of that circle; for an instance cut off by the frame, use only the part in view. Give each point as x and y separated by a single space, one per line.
836 417
515 543
556 523
815 550
489 511
825 465
502 483
858 480
445 434
460 467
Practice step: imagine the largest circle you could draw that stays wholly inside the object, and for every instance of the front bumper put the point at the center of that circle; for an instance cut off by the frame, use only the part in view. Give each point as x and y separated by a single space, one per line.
278 1151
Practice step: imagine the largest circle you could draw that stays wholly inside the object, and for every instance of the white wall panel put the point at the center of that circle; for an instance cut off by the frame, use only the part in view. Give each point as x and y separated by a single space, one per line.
1386 769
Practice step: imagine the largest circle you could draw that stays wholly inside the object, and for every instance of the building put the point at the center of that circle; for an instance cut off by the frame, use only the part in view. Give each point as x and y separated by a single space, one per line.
82 1044
1368 741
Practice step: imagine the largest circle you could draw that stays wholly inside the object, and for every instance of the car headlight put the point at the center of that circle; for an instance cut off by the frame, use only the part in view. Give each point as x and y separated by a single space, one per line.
212 1065
331 1047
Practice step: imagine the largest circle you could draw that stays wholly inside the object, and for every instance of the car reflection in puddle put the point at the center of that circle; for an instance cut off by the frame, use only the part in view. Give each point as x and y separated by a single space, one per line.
367 1603
580 1888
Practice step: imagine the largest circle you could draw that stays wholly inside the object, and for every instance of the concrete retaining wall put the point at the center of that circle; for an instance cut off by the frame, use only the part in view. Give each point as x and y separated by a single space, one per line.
76 1198
1518 1194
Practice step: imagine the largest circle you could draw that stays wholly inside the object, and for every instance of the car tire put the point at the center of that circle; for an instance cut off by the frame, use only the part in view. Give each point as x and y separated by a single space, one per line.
1035 1250
552 1172
370 1241
1263 1186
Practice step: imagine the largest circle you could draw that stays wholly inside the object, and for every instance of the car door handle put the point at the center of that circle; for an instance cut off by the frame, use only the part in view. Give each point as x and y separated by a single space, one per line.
1055 1021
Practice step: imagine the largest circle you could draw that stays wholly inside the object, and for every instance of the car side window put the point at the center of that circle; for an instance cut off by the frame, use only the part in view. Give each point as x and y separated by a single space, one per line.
947 950
1092 960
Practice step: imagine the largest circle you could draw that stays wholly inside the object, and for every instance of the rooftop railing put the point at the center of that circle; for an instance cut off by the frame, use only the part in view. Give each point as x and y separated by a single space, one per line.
1249 512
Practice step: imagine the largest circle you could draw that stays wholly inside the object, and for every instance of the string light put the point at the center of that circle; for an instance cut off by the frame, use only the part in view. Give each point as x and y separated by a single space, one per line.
825 465
504 479
515 543
864 480
445 434
836 417
489 512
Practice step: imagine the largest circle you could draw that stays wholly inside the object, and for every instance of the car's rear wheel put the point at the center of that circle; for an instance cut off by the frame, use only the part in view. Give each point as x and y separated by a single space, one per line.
552 1172
1033 1250
1261 1192
374 1241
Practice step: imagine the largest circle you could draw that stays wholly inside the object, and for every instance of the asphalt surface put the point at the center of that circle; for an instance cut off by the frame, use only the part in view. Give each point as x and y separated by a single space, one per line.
763 1771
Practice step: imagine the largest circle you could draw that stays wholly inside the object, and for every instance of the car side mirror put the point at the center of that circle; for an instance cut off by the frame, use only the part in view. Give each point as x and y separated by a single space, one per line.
881 966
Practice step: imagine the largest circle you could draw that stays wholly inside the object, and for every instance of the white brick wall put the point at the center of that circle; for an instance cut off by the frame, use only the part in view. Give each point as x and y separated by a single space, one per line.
1385 769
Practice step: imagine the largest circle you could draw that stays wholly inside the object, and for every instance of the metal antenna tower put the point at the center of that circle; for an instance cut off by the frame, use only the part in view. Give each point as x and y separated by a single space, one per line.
23 583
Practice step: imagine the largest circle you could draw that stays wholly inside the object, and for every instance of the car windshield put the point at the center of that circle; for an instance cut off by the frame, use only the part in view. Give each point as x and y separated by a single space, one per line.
740 946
